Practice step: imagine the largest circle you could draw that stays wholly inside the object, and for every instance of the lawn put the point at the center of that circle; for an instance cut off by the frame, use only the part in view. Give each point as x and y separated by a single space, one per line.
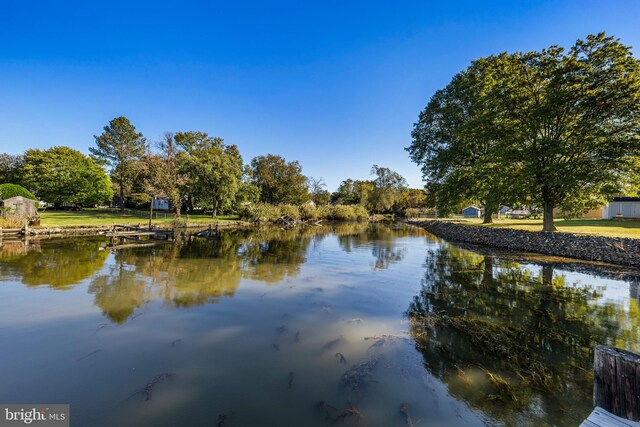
97 217
602 227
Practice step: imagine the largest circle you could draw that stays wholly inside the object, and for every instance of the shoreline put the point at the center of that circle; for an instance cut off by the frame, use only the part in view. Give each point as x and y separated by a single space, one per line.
611 250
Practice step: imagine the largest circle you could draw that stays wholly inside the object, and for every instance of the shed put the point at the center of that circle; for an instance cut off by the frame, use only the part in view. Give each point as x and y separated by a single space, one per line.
472 212
19 206
625 207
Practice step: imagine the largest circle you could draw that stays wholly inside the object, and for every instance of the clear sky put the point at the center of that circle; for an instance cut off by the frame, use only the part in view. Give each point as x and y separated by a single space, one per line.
336 85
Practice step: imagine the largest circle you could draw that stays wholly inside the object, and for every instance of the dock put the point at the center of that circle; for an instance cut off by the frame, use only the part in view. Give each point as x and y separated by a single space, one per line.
121 233
601 418
616 389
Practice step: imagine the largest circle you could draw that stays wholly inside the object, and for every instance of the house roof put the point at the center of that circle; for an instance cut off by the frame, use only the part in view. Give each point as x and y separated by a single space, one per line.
626 199
471 207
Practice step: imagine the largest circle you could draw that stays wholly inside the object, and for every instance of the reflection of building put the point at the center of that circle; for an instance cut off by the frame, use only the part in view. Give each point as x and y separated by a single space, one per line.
633 289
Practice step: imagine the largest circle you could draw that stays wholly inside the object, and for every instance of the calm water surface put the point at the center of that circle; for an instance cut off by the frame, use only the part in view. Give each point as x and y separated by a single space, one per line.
307 327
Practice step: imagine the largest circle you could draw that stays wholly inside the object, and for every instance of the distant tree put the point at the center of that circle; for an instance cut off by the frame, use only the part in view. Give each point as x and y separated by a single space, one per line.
318 191
345 194
279 181
248 191
163 175
410 198
119 147
9 167
214 169
353 192
388 187
64 175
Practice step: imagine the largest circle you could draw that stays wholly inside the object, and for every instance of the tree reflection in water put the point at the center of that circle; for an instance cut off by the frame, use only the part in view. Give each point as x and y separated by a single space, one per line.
54 263
511 341
197 271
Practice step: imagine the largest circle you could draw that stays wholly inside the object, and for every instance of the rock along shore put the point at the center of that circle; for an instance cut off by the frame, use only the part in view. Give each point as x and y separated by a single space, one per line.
614 250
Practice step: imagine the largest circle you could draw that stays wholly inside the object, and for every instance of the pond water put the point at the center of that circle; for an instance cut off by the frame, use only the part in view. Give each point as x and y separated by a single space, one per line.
351 324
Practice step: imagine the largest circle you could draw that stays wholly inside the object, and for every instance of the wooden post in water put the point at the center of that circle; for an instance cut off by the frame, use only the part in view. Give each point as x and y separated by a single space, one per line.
616 382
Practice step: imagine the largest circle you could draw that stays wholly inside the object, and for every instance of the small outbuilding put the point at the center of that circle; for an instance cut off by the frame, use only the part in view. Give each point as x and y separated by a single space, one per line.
19 206
472 212
622 207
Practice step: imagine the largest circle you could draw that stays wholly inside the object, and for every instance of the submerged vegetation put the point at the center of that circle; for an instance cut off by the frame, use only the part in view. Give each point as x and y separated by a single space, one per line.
508 339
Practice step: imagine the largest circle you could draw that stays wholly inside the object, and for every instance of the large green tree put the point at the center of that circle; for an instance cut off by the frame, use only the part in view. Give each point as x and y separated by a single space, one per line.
553 128
353 192
64 175
459 142
279 181
120 147
575 117
163 174
214 169
388 187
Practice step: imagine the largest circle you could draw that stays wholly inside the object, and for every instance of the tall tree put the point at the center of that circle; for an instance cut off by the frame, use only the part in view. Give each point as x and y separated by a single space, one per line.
279 181
9 167
575 118
459 142
64 175
120 146
318 190
164 175
389 186
552 128
215 169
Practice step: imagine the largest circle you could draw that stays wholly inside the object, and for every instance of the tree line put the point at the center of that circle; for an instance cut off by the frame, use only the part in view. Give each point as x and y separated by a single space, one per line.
192 170
553 128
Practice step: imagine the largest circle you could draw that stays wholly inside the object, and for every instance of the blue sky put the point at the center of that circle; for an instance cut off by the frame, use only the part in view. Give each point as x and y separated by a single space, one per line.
336 85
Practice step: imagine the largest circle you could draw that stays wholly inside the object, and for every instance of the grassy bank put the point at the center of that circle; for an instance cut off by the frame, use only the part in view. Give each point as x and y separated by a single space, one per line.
599 227
102 217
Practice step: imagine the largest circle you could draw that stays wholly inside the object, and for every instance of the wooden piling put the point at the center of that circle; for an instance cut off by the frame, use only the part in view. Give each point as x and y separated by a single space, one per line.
617 382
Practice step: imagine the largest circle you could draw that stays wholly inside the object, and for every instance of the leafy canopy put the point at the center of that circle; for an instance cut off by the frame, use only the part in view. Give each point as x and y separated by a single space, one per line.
64 175
553 128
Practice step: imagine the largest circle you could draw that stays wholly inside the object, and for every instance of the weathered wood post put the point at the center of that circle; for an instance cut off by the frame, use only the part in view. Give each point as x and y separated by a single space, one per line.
616 381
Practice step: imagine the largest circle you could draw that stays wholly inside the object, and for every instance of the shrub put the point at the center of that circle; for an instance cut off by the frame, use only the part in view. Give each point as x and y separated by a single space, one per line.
361 212
289 210
13 190
309 211
264 212
344 213
259 212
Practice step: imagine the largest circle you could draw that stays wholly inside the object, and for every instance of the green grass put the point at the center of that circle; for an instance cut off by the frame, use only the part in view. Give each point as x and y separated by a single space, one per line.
98 217
601 227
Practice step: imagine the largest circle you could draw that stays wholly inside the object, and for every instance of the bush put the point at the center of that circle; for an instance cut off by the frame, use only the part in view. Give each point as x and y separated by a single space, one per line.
289 210
361 212
12 190
349 213
259 212
264 212
309 211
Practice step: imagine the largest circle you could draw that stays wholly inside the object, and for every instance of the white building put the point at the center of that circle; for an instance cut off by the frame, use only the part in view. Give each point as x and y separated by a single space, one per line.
625 207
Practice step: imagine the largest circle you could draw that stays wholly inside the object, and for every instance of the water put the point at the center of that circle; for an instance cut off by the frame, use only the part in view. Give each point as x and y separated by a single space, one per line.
251 330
